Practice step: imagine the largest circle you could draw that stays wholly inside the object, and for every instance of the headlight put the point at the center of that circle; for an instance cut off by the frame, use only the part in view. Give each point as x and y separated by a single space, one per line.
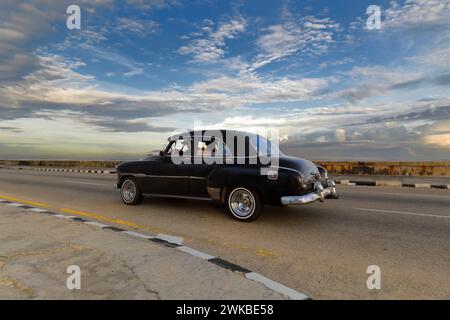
323 172
301 180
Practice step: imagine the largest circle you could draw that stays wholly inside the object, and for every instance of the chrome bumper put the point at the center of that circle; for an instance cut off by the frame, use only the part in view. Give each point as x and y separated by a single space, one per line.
320 193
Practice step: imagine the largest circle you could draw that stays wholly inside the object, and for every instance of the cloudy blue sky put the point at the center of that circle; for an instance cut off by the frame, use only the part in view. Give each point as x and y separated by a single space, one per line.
138 70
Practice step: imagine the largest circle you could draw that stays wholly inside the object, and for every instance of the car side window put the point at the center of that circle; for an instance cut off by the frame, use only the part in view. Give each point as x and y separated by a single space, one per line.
201 149
222 147
210 148
179 145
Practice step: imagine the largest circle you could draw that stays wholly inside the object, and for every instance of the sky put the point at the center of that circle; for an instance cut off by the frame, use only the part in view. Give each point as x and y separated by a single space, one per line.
139 70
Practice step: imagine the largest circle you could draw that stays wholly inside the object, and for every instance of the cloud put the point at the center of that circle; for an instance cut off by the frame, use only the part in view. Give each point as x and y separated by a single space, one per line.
118 125
379 80
211 47
250 90
139 27
443 79
22 22
383 141
37 85
340 135
390 131
438 134
57 86
436 57
296 35
92 42
153 4
58 91
29 20
417 13
428 112
11 129
375 137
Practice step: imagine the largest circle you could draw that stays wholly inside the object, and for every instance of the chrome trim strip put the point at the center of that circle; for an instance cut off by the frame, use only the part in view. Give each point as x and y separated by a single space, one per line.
197 178
304 199
143 175
214 193
177 196
285 168
162 176
289 169
133 174
320 194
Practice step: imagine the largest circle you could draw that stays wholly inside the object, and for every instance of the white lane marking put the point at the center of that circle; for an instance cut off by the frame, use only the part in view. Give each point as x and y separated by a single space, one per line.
64 216
403 213
415 195
410 194
387 183
276 286
96 224
37 210
91 183
273 285
14 204
138 235
423 185
195 253
169 238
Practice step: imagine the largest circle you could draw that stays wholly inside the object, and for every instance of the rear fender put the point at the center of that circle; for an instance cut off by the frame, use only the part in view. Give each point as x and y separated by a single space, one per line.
222 179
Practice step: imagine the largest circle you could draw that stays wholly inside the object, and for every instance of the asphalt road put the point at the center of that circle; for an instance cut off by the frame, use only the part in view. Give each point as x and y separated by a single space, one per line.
321 249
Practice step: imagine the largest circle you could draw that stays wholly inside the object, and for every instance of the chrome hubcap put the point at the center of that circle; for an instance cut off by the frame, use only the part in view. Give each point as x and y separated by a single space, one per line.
242 202
128 191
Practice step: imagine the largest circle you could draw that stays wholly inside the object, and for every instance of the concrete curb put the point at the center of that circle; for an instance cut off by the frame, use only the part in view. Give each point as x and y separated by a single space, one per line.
75 170
392 183
175 243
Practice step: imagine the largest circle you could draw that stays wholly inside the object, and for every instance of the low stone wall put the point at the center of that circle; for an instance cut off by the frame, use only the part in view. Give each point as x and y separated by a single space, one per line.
392 168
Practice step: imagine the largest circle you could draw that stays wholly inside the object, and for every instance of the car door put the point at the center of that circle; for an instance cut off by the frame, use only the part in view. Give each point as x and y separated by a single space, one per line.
166 177
202 164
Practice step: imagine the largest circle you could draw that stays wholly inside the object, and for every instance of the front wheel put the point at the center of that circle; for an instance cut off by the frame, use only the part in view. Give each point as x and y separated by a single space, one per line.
243 204
130 192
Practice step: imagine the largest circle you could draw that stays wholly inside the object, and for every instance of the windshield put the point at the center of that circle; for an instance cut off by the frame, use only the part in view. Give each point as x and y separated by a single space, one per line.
264 146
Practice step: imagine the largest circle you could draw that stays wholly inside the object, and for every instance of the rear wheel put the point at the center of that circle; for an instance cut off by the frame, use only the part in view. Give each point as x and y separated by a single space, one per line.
130 192
243 204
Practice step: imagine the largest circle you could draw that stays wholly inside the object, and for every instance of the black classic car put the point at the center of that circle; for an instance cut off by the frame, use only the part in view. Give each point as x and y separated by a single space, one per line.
241 170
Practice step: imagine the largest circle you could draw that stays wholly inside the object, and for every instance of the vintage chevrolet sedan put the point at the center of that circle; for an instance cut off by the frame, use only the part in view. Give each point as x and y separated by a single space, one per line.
241 170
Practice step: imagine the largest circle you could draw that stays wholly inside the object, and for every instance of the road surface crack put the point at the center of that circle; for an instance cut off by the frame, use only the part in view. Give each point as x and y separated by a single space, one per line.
12 283
136 276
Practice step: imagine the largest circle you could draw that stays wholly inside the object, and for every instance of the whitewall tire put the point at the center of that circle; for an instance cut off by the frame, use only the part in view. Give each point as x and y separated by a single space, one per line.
244 204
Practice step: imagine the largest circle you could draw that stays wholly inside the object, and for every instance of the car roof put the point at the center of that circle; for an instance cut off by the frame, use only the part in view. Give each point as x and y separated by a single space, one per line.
223 131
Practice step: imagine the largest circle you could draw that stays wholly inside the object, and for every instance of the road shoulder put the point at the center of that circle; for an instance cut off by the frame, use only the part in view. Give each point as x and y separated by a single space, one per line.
37 248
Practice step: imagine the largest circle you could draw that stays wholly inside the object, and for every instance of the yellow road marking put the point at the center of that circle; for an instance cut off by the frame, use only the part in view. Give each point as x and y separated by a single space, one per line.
259 252
105 218
39 204
264 253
